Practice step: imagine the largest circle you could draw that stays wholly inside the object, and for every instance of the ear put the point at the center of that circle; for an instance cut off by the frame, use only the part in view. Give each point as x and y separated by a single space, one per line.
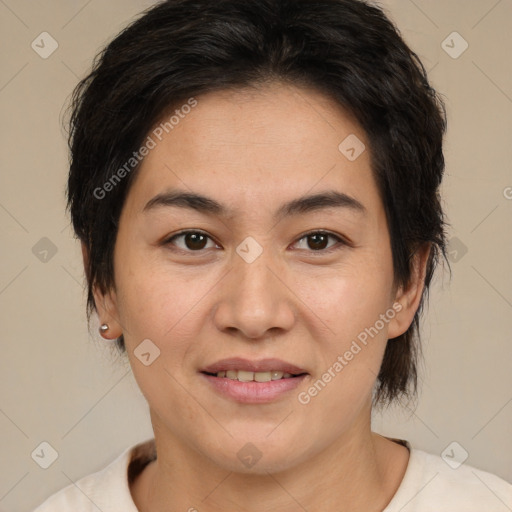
106 305
409 296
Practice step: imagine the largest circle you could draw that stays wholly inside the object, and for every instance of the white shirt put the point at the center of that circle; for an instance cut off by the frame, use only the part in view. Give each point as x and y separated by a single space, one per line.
429 485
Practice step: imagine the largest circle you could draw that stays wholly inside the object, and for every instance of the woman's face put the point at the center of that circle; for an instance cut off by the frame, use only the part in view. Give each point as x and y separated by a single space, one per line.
258 282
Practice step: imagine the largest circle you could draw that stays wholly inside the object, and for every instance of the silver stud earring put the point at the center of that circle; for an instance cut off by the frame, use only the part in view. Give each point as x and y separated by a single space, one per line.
104 328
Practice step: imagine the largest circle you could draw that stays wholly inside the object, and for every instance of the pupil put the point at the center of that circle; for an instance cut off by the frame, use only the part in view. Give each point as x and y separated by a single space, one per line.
318 239
193 241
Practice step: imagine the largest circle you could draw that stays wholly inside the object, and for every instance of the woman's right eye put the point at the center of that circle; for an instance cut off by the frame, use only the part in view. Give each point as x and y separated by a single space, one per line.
191 241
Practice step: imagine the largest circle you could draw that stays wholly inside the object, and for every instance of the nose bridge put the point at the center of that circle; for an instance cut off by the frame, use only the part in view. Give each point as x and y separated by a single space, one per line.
255 284
254 299
255 276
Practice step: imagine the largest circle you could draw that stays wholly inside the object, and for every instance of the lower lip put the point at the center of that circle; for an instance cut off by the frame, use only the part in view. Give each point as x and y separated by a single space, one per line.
253 392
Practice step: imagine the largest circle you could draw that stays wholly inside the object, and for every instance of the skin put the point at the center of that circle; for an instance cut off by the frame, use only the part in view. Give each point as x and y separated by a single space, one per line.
253 150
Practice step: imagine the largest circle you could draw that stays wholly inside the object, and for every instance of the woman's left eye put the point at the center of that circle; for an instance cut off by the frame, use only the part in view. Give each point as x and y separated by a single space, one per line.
318 241
196 241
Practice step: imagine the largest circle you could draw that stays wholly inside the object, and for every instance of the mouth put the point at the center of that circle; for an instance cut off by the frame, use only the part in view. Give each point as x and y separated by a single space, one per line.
248 381
247 376
245 370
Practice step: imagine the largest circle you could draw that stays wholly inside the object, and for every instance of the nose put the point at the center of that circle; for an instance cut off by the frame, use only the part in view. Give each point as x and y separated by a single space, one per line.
254 299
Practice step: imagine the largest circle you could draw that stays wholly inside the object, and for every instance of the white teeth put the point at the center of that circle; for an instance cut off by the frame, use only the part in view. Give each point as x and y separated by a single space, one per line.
262 376
245 376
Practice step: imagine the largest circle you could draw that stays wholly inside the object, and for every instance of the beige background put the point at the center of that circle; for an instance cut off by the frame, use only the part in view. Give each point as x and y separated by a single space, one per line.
62 386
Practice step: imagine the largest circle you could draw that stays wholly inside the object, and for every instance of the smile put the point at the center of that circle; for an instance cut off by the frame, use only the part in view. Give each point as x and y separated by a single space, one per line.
247 376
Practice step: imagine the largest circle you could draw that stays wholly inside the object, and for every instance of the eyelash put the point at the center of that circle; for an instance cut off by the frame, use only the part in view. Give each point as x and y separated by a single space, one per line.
340 241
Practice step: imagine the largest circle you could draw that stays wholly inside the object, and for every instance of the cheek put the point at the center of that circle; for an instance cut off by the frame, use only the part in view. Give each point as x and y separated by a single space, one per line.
163 306
156 306
352 303
348 299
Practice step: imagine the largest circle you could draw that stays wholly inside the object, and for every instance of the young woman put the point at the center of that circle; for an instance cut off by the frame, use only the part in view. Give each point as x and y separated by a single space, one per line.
255 187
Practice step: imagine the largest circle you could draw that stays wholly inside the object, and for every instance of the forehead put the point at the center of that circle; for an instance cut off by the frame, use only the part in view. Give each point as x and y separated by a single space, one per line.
263 121
255 145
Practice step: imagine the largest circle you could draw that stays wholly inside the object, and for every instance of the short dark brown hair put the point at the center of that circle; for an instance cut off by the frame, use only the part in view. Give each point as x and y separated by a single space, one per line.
346 49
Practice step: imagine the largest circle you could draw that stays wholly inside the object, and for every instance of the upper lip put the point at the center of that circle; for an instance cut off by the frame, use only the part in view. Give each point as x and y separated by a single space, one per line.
262 365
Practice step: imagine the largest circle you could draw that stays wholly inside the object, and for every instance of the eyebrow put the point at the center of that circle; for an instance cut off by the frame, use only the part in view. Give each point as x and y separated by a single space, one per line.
301 205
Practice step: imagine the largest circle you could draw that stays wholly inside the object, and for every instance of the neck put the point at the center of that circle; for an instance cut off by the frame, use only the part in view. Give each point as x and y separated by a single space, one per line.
360 472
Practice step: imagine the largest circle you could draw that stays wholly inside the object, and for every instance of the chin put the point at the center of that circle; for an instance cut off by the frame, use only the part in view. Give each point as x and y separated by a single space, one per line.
265 464
259 456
